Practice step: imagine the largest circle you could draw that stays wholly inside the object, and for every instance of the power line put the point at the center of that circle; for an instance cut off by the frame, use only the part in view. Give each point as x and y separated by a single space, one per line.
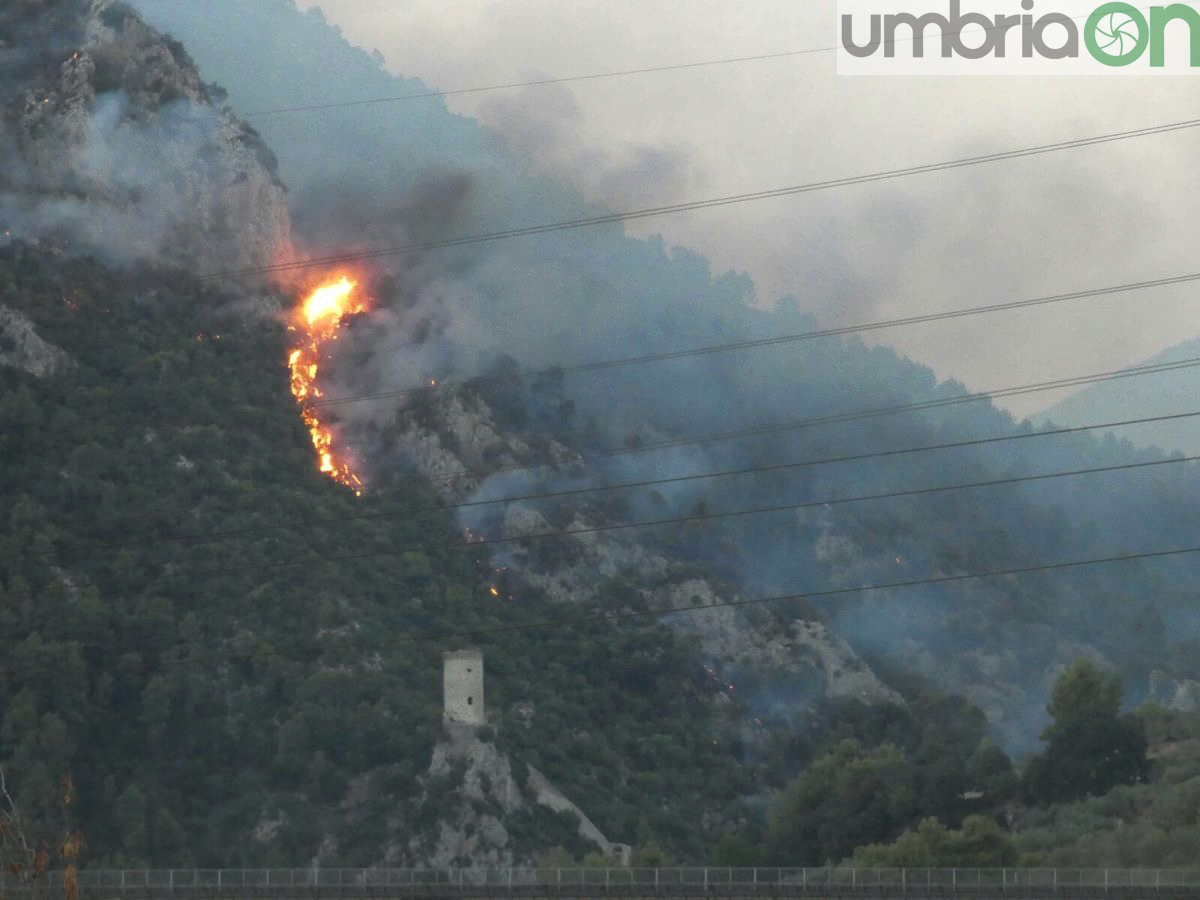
631 614
837 418
858 415
675 520
922 318
537 82
688 206
705 517
830 593
808 595
225 534
59 586
597 76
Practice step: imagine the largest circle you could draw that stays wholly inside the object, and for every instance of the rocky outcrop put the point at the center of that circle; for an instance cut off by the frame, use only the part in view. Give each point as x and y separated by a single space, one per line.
473 791
456 442
477 791
111 143
791 652
22 348
1180 694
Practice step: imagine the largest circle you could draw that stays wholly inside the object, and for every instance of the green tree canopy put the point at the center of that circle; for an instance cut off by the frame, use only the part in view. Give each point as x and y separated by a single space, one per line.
1090 745
979 843
848 797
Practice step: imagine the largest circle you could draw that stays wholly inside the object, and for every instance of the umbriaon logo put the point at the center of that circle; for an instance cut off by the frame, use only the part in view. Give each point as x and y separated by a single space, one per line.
1115 34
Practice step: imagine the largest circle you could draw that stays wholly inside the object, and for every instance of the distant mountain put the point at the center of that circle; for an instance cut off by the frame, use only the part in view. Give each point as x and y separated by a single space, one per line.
238 659
1168 393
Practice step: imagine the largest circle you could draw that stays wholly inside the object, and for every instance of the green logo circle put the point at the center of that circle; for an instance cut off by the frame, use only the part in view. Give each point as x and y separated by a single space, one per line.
1116 34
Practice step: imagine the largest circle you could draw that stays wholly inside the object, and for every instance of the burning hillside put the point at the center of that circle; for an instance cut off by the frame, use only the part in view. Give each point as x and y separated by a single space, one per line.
316 323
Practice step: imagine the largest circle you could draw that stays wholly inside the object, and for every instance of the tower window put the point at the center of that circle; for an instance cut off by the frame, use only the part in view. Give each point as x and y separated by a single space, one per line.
470 701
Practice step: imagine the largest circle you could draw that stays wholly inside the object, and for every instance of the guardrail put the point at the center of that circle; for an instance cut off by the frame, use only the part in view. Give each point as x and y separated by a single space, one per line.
166 880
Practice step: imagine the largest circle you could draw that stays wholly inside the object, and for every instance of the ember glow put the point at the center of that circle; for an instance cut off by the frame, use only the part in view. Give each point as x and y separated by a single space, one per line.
317 322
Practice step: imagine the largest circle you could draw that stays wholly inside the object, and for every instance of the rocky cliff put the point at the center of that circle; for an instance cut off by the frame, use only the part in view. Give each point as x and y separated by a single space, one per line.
475 800
456 442
111 143
21 347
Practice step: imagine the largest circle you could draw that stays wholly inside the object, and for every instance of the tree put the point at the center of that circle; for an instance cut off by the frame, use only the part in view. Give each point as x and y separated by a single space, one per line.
1090 746
846 798
25 860
558 857
981 843
735 852
649 856
991 772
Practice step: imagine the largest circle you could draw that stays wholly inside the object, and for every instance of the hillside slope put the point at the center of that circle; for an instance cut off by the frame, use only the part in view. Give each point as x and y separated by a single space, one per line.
250 700
398 173
239 661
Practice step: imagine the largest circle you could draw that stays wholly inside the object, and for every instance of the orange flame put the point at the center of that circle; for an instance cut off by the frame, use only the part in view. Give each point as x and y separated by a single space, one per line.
317 322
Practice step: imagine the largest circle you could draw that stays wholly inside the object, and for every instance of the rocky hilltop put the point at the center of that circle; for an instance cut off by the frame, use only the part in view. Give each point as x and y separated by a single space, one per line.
110 142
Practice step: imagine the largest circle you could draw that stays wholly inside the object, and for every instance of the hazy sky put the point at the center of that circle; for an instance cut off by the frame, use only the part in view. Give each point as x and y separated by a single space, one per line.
1060 222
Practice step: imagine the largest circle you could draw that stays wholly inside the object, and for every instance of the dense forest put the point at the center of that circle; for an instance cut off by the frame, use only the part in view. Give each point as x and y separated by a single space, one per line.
195 689
412 172
235 661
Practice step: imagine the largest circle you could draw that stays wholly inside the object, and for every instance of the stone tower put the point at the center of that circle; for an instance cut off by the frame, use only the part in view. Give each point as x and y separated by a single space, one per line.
462 685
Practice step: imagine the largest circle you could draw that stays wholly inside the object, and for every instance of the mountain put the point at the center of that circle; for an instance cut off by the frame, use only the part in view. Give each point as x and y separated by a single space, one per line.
246 699
110 142
1161 394
409 172
237 659
238 662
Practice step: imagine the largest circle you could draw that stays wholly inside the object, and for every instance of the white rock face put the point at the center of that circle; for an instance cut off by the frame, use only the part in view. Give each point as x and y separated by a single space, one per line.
470 819
110 143
488 772
22 348
845 674
457 443
1180 694
462 444
805 646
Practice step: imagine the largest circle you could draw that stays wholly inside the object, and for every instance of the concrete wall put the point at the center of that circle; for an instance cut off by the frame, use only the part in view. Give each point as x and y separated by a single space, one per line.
462 686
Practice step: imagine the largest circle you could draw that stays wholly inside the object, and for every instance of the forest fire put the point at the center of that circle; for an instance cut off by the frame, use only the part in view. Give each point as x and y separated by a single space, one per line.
317 322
